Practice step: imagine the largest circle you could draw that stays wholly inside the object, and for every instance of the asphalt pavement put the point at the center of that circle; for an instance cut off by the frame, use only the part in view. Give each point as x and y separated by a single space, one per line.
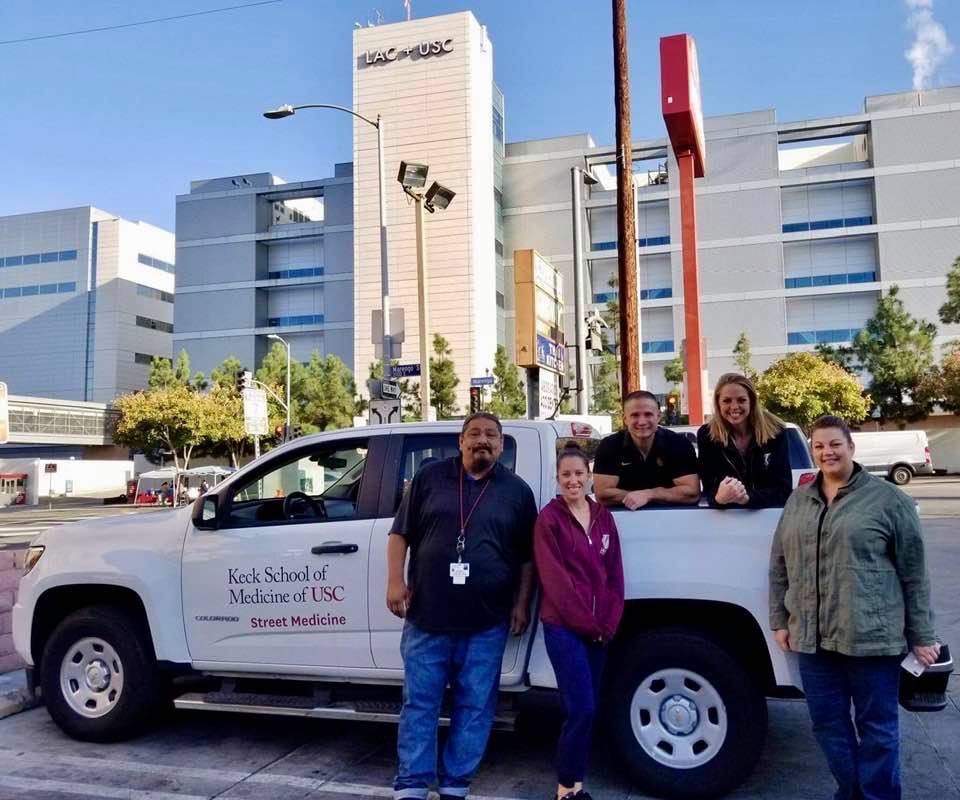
21 524
202 756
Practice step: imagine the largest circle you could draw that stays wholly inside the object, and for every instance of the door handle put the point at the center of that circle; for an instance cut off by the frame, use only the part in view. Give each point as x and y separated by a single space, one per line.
334 547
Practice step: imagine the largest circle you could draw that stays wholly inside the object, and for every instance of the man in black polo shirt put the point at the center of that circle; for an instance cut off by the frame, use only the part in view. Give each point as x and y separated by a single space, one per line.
645 463
468 523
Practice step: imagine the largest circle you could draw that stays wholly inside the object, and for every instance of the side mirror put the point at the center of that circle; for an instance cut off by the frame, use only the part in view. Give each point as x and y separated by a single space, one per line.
205 512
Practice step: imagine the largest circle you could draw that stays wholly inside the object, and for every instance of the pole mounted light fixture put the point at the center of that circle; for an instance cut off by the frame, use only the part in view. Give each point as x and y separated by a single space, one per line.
438 197
288 110
413 176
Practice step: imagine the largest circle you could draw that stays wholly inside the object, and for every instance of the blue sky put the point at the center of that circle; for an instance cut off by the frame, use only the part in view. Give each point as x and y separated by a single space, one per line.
125 119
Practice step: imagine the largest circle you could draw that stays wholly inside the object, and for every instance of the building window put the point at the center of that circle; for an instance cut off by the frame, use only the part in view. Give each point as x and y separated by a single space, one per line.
497 125
839 279
154 324
301 319
154 294
38 258
35 289
660 346
301 272
143 358
831 336
501 302
156 263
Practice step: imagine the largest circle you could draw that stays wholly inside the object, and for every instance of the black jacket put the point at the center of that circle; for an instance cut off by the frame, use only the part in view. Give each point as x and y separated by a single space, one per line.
764 471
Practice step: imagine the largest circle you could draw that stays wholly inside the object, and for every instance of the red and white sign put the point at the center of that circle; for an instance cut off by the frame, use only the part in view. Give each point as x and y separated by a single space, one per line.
680 97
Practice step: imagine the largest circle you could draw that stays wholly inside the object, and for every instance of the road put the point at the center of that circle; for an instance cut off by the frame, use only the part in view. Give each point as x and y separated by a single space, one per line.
201 756
20 524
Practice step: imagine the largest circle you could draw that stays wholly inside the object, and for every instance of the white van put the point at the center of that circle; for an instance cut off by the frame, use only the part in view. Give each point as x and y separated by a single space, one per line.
897 454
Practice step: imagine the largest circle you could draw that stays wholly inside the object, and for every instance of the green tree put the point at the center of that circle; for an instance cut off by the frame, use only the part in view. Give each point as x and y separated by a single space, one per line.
165 374
897 351
443 379
950 310
225 435
673 372
172 418
949 388
802 386
225 376
742 356
327 402
508 396
841 355
273 374
606 390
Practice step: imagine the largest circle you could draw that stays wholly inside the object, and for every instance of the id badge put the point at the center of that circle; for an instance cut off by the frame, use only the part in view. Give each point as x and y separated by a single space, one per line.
459 572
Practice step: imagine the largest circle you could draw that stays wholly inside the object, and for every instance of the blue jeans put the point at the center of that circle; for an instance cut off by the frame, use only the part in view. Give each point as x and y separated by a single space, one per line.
470 664
578 665
868 768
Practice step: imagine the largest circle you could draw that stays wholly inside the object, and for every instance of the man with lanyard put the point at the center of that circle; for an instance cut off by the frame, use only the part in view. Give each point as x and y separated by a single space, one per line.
645 463
468 522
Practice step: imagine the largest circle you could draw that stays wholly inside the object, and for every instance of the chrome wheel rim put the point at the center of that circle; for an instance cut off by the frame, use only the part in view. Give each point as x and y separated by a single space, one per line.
679 718
91 677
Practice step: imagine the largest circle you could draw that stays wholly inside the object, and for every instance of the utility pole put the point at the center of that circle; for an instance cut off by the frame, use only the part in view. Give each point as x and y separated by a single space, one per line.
630 364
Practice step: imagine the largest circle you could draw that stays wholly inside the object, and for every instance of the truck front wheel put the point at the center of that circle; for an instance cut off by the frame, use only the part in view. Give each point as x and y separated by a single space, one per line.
687 719
99 676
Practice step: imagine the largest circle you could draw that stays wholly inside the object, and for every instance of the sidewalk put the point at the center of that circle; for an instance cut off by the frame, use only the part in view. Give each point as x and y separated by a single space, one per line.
14 695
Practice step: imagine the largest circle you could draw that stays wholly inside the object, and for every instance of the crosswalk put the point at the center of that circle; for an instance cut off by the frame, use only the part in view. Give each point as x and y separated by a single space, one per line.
18 527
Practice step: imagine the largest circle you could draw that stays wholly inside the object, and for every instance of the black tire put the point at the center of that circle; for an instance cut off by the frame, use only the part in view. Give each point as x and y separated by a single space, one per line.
730 757
901 475
139 694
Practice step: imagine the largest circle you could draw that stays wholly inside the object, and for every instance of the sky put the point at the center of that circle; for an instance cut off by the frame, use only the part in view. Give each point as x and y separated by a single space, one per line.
125 119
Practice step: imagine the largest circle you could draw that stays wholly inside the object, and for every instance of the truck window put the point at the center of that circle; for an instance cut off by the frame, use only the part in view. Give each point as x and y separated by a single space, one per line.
425 448
314 486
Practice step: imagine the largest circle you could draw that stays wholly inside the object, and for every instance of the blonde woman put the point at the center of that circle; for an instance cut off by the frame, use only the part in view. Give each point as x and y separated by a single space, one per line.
743 451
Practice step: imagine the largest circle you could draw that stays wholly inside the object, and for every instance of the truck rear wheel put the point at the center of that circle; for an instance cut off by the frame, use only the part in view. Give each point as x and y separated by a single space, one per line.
99 675
901 475
687 719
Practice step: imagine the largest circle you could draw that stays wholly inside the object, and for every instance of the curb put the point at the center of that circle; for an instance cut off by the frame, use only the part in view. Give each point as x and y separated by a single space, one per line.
14 694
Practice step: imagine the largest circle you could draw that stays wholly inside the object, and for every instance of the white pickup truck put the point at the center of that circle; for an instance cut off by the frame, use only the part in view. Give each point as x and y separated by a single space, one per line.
271 588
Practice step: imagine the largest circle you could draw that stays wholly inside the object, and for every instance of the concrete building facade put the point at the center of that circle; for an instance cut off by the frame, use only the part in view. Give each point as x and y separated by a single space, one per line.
431 81
86 301
802 225
256 256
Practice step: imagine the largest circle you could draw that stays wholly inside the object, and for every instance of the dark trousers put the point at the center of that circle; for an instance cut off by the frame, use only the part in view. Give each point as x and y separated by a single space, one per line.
578 665
863 752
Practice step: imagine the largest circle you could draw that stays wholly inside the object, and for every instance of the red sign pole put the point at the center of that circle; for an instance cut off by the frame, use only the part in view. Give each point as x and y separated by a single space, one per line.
683 115
691 289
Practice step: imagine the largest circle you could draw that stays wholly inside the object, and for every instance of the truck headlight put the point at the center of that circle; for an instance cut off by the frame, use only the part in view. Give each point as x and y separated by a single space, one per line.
32 557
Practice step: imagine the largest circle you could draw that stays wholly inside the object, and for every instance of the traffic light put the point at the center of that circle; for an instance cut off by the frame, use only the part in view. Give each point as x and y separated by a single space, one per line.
296 432
244 380
475 399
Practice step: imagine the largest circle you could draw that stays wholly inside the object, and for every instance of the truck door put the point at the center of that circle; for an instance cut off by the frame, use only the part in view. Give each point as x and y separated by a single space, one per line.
282 582
521 453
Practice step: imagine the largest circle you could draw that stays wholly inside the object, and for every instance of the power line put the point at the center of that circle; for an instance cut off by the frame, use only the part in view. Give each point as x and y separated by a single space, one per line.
141 22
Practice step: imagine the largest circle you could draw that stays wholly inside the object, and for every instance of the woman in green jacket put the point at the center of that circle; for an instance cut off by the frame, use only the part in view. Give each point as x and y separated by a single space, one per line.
849 593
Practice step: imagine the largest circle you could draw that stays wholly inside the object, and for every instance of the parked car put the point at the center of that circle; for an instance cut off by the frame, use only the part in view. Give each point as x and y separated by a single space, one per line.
899 455
272 585
800 461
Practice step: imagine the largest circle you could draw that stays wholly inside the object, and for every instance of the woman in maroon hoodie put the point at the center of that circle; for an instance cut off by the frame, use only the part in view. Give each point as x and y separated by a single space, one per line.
577 551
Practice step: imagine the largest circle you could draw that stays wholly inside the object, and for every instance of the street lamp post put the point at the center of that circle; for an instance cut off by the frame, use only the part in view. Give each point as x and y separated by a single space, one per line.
414 177
578 177
288 111
286 344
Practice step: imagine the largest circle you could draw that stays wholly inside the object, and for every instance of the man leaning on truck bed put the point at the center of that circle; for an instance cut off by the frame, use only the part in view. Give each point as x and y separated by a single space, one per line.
645 463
